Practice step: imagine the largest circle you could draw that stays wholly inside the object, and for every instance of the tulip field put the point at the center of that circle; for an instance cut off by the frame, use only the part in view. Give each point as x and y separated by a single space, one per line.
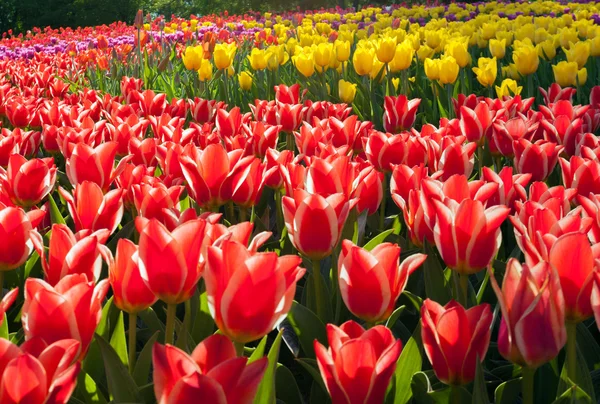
389 205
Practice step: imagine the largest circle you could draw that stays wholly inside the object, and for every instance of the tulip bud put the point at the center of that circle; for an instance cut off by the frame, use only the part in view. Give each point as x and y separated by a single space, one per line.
486 71
245 80
347 91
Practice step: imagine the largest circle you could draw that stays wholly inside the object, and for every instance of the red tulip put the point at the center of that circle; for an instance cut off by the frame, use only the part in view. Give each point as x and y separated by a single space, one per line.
156 201
454 338
85 163
359 364
205 110
6 302
310 139
372 281
288 95
9 145
399 113
170 261
129 290
261 138
15 226
69 253
556 93
385 150
143 151
38 373
506 133
70 309
532 331
228 123
93 210
244 184
249 293
510 187
275 163
575 261
27 182
538 158
18 114
211 374
148 102
475 123
368 190
315 223
288 116
564 131
456 158
582 174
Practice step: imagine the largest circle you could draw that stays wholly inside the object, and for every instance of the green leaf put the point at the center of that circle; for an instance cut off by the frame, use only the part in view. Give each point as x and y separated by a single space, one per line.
125 232
266 389
118 341
55 216
436 284
395 316
141 370
259 351
375 241
307 327
310 365
480 394
311 295
574 395
508 392
150 318
121 385
204 325
88 390
409 363
592 349
582 378
4 327
286 388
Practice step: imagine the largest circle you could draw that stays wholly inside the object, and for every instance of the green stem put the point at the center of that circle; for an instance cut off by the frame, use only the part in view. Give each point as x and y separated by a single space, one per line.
239 348
230 212
318 289
289 141
404 75
1 284
279 217
450 106
571 350
455 396
243 214
132 340
170 327
527 384
464 289
530 90
382 206
480 160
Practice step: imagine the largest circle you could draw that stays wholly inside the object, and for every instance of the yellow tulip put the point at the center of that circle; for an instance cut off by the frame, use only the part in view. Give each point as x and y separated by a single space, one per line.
433 39
245 80
425 52
257 59
363 61
432 69
342 50
396 83
508 88
223 55
323 53
305 63
568 36
403 57
448 70
378 68
546 49
488 31
582 76
486 71
566 73
386 49
506 35
497 48
206 70
347 91
595 46
459 50
578 52
192 58
526 59
510 71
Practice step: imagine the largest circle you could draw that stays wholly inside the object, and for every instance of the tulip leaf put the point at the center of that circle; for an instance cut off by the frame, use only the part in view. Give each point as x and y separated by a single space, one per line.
375 241
259 351
125 232
395 316
150 318
592 349
312 295
436 284
204 325
266 388
121 385
480 394
87 390
508 392
311 366
141 371
574 395
582 378
4 327
286 388
409 363
118 341
307 327
147 393
55 215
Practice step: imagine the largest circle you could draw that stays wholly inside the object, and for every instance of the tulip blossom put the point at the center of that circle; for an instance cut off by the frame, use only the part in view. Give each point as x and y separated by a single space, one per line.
130 292
38 372
475 123
556 93
71 253
372 281
249 293
536 158
6 302
85 163
93 210
315 223
532 331
169 262
581 174
157 201
70 309
384 150
575 261
511 187
27 182
15 226
211 374
399 113
455 338
358 365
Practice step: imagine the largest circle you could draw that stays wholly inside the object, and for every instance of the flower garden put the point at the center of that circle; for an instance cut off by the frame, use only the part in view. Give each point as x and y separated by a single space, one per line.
389 205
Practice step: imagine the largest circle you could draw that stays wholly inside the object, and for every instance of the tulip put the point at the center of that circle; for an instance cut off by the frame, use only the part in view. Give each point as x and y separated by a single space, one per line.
386 49
6 302
556 93
223 55
305 63
497 47
347 91
538 158
234 277
486 71
526 59
399 113
546 49
532 331
287 94
192 57
455 338
211 374
448 70
349 380
432 69
27 182
475 123
15 226
257 59
508 88
69 253
459 50
205 71
342 50
92 210
37 372
567 74
371 281
85 163
403 57
70 309
315 223
156 201
578 52
582 174
323 53
245 80
363 61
